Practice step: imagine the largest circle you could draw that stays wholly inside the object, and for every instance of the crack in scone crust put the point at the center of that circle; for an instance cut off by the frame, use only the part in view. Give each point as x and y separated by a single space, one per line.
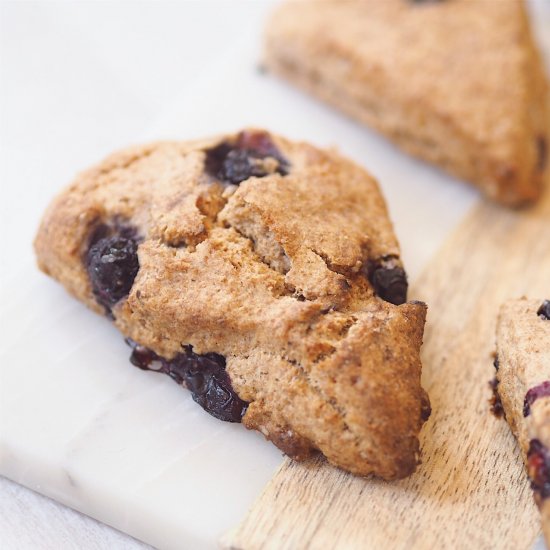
258 250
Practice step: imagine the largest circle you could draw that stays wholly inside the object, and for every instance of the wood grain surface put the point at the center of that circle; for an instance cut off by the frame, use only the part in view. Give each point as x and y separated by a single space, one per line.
471 490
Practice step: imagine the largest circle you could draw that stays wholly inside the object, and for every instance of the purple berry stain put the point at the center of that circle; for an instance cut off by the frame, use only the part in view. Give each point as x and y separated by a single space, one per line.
495 403
538 468
204 375
542 390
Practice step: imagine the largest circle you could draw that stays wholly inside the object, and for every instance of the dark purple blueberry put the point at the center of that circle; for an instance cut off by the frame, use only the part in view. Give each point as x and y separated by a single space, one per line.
496 363
538 468
542 153
112 265
496 404
389 281
542 390
234 163
214 159
544 310
204 375
425 410
141 356
241 164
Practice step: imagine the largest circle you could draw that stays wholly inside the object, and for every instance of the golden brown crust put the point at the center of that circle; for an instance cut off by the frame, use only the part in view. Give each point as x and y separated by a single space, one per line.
459 83
523 351
271 274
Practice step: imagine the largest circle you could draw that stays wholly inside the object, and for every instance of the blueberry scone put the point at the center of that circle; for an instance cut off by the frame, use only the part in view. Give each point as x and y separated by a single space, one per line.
264 276
458 83
523 378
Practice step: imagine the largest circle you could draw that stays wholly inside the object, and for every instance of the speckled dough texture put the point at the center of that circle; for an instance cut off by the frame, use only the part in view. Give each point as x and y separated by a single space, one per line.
523 350
458 83
271 274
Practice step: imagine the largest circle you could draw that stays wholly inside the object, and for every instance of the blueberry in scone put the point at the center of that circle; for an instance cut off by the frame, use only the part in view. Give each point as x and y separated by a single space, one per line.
544 310
264 276
432 76
523 344
112 264
204 375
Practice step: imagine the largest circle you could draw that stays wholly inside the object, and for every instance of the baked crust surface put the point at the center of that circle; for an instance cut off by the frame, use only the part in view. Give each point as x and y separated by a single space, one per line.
458 83
273 274
523 351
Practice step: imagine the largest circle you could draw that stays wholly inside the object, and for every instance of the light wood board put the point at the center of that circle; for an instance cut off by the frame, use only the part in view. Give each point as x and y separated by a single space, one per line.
471 490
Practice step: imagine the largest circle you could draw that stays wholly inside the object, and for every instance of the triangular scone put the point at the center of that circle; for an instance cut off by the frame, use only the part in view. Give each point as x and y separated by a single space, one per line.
456 82
523 386
263 275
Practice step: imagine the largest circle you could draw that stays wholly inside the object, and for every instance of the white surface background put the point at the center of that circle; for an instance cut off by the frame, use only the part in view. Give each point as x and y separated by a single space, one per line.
80 79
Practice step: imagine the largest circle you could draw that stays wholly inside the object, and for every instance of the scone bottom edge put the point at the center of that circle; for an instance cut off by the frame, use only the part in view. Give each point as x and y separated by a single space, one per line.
329 364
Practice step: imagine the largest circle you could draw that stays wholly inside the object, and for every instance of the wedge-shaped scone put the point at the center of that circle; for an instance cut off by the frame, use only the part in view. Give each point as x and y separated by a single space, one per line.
458 83
264 276
523 376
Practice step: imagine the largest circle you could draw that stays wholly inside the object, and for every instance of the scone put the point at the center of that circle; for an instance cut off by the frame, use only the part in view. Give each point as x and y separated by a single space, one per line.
264 276
458 83
523 375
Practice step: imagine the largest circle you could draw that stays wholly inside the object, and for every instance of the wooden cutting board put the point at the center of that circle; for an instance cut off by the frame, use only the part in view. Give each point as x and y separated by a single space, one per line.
471 490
